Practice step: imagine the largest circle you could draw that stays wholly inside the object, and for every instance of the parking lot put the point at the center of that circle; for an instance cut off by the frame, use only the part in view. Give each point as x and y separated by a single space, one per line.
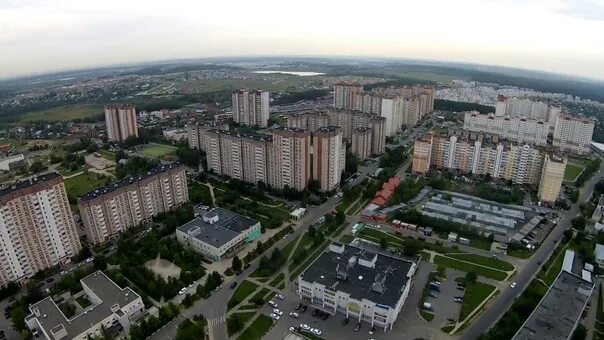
443 305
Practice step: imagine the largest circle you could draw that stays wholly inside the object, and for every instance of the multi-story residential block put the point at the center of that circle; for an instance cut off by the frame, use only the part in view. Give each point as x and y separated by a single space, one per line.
573 134
514 128
217 233
291 158
111 308
481 155
196 133
345 95
110 210
37 230
120 121
360 283
551 178
311 120
361 142
527 108
328 157
251 107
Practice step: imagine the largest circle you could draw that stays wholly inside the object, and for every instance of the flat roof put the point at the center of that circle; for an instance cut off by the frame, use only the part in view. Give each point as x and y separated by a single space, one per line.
359 278
227 226
559 310
16 186
50 316
128 181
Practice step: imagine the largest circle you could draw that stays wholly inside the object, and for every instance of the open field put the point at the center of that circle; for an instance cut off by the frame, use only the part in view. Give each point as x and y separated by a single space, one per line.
271 82
81 184
483 260
258 328
157 150
69 112
475 294
571 171
469 267
244 290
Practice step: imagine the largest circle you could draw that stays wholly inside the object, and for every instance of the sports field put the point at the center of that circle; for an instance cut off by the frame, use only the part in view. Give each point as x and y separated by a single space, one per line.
69 112
572 171
157 150
84 183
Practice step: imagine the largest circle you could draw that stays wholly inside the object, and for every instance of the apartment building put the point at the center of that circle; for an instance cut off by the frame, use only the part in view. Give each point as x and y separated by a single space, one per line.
37 230
345 95
251 107
110 210
111 308
360 283
311 120
196 133
528 108
573 134
551 178
290 158
481 155
120 121
513 128
328 157
361 142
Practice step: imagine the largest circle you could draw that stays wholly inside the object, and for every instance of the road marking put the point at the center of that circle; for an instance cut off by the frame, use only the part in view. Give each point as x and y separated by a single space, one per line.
217 321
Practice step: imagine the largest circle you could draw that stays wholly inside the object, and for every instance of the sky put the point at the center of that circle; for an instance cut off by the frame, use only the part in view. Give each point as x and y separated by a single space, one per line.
562 36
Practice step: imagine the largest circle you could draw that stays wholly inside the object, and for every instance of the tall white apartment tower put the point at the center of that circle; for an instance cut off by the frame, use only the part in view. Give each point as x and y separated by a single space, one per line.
120 121
551 178
251 107
37 230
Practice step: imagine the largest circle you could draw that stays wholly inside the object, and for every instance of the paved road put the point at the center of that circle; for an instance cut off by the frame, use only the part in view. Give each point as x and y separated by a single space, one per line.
505 300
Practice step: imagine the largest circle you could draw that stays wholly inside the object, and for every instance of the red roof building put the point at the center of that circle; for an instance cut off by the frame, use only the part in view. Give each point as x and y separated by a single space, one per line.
388 188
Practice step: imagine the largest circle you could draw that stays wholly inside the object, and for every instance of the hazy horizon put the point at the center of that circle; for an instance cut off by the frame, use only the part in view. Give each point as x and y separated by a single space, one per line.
559 36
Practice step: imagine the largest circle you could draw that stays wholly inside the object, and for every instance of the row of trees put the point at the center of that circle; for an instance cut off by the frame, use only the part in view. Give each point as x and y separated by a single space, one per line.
148 326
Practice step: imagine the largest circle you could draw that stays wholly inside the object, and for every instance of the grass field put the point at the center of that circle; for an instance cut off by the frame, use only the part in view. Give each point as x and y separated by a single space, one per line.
69 112
555 268
244 317
468 267
475 294
519 253
485 261
277 280
572 171
257 329
107 154
157 150
81 184
244 290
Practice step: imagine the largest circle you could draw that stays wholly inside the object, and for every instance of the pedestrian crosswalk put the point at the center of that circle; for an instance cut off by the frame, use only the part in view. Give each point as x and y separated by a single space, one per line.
216 321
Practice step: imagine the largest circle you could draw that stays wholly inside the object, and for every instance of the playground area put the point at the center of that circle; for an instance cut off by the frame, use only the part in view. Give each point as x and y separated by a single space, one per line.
165 269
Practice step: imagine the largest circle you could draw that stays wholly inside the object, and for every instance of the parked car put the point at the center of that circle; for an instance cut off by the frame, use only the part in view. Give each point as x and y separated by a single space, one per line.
292 329
357 327
182 290
304 326
304 308
272 304
277 311
513 285
298 306
325 316
372 330
246 266
315 312
345 321
315 331
293 314
274 316
280 297
234 284
88 260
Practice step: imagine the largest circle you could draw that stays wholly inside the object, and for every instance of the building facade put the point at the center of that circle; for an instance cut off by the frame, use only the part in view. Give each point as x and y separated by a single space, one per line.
345 95
328 157
361 142
513 128
290 158
573 134
251 107
108 211
120 121
37 229
196 133
551 179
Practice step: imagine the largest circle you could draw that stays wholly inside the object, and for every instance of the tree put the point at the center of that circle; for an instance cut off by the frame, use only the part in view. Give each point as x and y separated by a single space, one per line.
37 166
100 262
92 148
234 324
471 277
340 217
236 264
311 231
580 333
578 222
383 243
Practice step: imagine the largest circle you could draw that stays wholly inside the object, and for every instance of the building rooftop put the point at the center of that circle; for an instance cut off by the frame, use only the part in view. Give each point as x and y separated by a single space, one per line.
330 128
128 181
111 297
599 252
254 136
216 226
559 310
362 273
27 183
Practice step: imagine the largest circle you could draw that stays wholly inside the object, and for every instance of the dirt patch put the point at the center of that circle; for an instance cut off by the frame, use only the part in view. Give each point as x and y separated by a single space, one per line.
164 268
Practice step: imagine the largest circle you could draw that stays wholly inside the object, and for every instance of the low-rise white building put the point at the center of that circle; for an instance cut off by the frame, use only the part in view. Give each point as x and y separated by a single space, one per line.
217 232
359 283
111 308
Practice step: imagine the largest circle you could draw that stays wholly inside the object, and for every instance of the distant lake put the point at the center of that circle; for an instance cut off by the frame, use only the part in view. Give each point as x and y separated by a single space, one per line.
301 74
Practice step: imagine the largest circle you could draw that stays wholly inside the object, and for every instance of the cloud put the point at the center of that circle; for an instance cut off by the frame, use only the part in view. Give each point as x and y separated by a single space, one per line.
584 9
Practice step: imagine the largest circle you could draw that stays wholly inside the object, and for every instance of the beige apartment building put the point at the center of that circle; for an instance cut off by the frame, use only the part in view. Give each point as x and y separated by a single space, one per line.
361 142
345 95
37 230
290 159
573 134
517 129
251 107
110 210
328 157
310 120
551 178
479 154
196 133
120 121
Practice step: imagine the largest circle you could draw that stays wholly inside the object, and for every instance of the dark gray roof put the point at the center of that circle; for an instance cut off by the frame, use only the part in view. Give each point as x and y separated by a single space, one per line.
128 181
559 310
360 279
254 136
228 226
227 219
27 183
330 128
51 317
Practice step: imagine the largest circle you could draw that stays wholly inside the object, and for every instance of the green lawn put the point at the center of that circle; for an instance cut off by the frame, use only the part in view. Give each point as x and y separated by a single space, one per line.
480 244
107 154
243 290
468 267
475 294
157 150
346 239
63 113
519 253
485 261
309 335
83 302
261 294
244 317
571 171
81 184
275 282
289 247
426 315
257 329
555 268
